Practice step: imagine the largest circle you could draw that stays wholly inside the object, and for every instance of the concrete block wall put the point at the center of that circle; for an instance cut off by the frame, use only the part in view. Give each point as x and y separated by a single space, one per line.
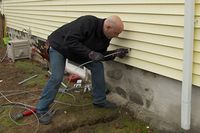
152 97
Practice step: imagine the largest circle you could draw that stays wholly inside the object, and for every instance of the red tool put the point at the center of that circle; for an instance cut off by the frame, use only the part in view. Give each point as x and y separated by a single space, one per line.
73 78
25 113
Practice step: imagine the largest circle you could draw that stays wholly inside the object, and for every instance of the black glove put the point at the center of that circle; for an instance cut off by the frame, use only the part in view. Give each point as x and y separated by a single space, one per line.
95 56
121 52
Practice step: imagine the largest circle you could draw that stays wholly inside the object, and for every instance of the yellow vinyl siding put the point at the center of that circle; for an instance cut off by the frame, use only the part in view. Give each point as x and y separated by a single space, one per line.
149 47
154 29
149 66
196 60
0 6
196 45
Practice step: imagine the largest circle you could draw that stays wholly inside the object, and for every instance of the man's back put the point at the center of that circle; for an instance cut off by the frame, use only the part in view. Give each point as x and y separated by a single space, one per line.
76 39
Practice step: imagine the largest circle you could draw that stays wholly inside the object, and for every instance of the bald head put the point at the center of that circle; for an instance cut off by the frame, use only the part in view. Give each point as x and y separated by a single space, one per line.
113 26
116 22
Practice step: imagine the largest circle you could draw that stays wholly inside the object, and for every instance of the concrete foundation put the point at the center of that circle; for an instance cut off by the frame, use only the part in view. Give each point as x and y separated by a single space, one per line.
152 97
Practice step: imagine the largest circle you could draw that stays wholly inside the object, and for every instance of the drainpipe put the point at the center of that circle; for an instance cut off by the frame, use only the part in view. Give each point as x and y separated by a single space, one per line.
187 64
82 72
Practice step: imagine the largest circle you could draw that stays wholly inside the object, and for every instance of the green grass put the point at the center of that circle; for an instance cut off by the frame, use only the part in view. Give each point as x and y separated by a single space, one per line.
29 69
2 46
123 122
4 118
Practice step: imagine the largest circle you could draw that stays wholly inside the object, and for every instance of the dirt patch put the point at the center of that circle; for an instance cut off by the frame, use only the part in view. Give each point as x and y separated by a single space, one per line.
76 114
11 75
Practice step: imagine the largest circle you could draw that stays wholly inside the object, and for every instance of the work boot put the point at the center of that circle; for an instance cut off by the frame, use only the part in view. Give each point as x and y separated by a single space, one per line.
44 118
107 105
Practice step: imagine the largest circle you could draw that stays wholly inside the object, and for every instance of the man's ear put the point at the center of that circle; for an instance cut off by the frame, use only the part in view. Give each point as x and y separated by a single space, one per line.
108 27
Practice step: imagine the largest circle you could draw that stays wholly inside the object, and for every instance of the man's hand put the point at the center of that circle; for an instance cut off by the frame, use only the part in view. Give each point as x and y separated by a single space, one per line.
96 56
121 52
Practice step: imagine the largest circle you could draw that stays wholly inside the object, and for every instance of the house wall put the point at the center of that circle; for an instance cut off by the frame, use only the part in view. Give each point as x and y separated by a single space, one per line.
0 5
196 68
154 30
1 24
152 97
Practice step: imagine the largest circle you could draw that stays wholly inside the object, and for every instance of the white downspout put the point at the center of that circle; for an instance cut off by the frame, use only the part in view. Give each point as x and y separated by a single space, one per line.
82 72
187 64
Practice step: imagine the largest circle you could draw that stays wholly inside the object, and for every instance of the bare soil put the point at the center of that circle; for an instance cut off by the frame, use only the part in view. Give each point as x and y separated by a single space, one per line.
78 117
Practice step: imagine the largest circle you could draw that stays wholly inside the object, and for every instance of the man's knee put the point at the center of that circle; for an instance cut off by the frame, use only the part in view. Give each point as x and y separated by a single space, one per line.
56 79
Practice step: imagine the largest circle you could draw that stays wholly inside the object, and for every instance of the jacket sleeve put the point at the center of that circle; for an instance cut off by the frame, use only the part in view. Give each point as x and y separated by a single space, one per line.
76 35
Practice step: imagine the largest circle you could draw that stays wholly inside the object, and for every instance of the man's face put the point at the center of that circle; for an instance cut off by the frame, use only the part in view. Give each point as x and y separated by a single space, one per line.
112 32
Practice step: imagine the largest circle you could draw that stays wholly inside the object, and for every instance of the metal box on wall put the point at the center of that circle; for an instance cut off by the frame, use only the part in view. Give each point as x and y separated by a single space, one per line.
18 49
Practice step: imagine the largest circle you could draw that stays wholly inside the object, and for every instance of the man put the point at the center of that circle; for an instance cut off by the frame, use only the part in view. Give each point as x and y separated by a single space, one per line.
82 40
